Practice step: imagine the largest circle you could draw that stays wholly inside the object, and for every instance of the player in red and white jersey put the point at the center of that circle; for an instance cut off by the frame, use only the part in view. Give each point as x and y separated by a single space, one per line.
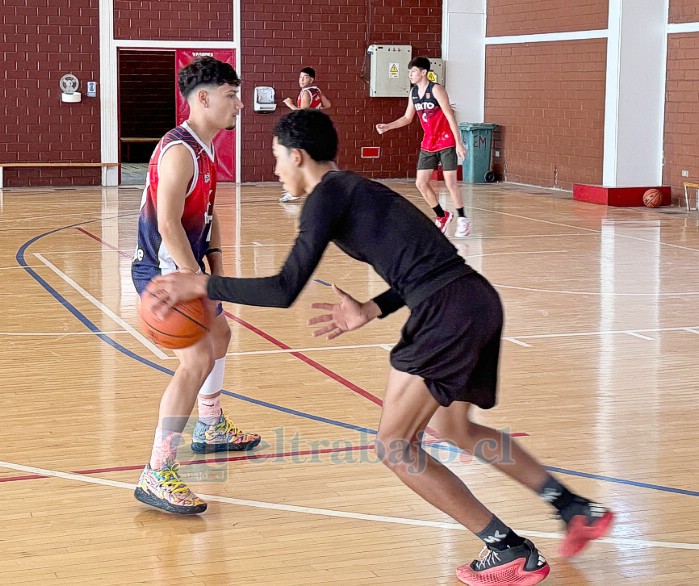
152 256
441 143
177 230
311 97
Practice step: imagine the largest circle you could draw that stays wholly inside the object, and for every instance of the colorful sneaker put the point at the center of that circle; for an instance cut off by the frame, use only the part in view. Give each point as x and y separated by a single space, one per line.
584 521
222 436
163 489
442 222
288 197
522 565
463 228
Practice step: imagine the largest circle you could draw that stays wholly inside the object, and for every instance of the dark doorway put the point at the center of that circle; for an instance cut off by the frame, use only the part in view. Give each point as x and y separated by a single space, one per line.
146 107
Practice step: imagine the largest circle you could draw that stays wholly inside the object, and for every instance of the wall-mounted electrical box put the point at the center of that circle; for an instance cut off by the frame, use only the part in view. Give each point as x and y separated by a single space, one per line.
388 71
437 70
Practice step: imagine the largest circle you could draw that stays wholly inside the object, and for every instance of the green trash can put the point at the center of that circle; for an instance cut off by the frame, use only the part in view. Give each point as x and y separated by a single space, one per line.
478 139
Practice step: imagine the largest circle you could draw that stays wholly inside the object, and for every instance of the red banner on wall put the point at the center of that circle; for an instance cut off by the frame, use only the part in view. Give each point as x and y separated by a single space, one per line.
224 143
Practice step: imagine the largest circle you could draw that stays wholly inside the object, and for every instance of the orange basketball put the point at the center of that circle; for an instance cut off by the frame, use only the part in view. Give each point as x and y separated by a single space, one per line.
186 324
652 198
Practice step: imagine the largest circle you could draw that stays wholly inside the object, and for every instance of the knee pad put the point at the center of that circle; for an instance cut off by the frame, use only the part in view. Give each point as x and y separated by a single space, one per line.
214 382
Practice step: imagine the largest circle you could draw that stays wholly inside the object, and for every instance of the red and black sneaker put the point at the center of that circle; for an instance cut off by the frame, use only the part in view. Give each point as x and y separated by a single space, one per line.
584 521
522 565
443 222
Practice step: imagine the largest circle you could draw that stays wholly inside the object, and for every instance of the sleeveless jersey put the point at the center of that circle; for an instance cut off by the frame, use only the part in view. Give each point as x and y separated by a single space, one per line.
316 101
151 256
438 134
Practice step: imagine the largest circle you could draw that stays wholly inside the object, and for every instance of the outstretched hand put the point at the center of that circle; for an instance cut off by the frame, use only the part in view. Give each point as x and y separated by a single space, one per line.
346 316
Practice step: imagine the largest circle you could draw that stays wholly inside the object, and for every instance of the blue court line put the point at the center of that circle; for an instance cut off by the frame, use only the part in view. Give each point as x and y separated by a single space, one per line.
322 282
105 338
623 481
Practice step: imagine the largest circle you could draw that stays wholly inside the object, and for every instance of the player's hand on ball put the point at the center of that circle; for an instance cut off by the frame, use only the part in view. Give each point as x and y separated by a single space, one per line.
346 316
177 287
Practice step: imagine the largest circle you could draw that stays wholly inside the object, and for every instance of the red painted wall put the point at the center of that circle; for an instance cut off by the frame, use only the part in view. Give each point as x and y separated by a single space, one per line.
682 111
547 97
35 125
684 11
332 37
549 100
526 17
173 20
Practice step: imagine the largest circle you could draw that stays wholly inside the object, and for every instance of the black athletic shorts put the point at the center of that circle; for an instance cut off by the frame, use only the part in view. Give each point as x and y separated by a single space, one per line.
428 161
452 341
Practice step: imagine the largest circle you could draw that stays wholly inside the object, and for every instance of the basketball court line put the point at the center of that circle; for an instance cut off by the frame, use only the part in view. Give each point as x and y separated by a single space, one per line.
62 334
518 340
339 514
81 317
528 253
103 308
635 332
317 349
596 293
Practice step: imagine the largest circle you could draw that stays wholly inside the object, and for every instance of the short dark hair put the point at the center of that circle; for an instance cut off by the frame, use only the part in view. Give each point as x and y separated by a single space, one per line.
310 130
205 71
310 71
420 63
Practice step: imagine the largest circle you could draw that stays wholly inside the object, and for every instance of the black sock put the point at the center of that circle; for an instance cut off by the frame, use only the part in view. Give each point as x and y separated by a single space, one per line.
554 493
499 536
460 212
438 211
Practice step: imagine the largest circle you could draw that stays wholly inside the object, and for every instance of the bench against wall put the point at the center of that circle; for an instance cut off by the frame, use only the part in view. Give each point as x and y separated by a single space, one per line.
59 164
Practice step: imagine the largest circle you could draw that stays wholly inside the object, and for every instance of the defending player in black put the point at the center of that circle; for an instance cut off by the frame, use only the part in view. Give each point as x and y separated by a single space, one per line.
447 356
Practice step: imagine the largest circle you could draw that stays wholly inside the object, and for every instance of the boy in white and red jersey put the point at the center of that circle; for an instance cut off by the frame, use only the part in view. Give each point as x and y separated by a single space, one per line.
310 96
177 229
442 142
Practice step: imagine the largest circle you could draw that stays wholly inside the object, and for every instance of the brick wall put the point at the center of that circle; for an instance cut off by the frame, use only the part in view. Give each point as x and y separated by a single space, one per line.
332 37
684 11
549 100
524 17
173 20
39 45
681 145
146 98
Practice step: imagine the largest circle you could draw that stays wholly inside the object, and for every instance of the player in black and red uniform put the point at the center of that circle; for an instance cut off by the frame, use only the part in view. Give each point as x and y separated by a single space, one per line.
177 229
441 144
310 96
445 361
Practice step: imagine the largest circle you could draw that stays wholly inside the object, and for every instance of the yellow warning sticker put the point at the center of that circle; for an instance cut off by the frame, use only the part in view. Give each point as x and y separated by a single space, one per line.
393 70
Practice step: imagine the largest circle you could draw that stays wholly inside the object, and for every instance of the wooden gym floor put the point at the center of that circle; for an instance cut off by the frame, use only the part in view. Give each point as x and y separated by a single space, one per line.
598 378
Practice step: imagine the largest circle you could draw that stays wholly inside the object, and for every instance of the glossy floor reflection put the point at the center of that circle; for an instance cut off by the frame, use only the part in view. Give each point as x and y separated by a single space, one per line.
598 378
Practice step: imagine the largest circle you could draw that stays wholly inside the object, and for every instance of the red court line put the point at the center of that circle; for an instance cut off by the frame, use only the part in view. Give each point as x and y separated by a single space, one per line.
272 340
95 237
279 344
326 371
246 456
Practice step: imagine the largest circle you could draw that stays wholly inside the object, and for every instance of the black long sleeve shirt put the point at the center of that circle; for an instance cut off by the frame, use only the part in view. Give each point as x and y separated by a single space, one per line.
370 223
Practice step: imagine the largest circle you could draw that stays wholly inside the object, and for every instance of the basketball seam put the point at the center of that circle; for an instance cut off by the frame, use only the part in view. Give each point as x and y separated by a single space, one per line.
173 308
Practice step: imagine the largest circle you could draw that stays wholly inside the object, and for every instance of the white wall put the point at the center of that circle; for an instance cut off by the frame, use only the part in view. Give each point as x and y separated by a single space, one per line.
635 100
463 49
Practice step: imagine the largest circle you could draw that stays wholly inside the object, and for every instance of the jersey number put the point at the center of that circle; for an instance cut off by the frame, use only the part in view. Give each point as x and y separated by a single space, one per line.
209 221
